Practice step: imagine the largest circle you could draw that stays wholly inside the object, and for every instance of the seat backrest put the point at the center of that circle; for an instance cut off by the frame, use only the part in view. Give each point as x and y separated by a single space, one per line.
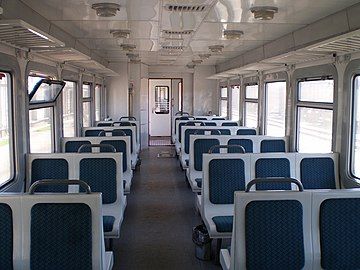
93 132
120 147
202 146
272 230
230 124
10 232
246 143
318 171
210 124
335 227
271 146
246 131
62 231
73 146
274 165
104 124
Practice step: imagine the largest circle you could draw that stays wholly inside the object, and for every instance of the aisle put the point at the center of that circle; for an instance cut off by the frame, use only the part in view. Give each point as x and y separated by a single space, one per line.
156 233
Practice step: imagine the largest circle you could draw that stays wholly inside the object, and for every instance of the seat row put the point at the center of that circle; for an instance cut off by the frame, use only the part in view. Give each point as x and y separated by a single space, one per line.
52 231
101 171
226 173
201 144
295 230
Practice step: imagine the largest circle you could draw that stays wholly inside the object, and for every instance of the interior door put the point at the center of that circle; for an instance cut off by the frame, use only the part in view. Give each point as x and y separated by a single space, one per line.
160 107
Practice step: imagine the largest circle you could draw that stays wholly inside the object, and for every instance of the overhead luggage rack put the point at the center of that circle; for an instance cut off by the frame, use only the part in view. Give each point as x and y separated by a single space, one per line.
20 34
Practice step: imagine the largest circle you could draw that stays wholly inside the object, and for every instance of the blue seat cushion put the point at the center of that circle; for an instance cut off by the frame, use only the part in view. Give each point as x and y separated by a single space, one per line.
246 132
6 237
187 162
271 146
198 182
124 184
272 167
246 143
223 223
317 173
73 146
108 223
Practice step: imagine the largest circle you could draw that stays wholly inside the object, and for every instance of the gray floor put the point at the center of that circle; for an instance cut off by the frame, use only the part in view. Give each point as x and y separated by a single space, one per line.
156 232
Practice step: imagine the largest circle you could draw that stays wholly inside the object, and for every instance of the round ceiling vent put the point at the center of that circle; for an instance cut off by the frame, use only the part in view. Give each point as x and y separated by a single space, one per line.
197 61
190 65
204 56
233 34
106 9
123 33
264 13
128 47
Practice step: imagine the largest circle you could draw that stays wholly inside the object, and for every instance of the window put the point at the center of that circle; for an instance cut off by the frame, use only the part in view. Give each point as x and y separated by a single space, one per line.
69 108
235 103
251 105
6 150
86 97
97 102
162 103
41 123
315 115
223 102
355 147
275 108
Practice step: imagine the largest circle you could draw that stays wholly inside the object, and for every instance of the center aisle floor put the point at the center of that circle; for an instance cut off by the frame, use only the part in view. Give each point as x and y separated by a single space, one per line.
157 229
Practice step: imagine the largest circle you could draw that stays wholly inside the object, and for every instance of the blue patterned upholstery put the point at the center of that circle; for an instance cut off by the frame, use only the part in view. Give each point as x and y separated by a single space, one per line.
218 118
118 132
339 233
189 132
200 118
73 146
229 124
210 124
104 124
93 132
246 132
271 146
125 124
198 182
317 173
202 146
272 167
100 175
225 177
129 133
108 223
120 147
61 236
246 143
225 131
274 235
6 237
49 169
223 223
180 127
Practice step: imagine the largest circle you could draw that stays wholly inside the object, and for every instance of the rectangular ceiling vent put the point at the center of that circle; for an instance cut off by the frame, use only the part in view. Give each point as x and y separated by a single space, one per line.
296 57
172 48
344 44
19 34
181 32
186 8
64 54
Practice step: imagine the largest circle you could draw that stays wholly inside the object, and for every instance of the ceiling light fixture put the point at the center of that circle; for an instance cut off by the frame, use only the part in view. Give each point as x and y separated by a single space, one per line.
106 9
123 33
264 13
204 56
128 47
232 34
216 48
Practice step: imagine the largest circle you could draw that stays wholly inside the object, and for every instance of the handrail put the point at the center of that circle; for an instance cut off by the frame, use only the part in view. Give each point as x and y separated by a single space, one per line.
274 180
53 182
84 146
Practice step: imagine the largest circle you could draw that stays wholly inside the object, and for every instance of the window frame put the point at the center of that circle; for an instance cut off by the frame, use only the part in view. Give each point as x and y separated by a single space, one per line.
11 125
37 106
232 101
352 128
312 105
266 105
87 99
99 102
251 100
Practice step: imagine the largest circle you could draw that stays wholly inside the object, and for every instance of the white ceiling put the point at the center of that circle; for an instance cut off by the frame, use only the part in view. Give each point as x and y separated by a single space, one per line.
147 19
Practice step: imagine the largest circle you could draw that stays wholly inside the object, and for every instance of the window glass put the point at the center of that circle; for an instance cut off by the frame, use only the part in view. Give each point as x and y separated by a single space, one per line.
251 114
223 107
6 168
86 91
316 91
41 129
235 103
69 108
86 114
224 92
315 130
46 91
162 102
97 102
275 108
32 81
355 155
252 91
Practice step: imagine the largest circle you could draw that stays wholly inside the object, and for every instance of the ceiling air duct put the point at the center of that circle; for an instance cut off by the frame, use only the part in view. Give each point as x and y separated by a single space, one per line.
204 56
233 34
128 47
216 48
123 33
264 13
